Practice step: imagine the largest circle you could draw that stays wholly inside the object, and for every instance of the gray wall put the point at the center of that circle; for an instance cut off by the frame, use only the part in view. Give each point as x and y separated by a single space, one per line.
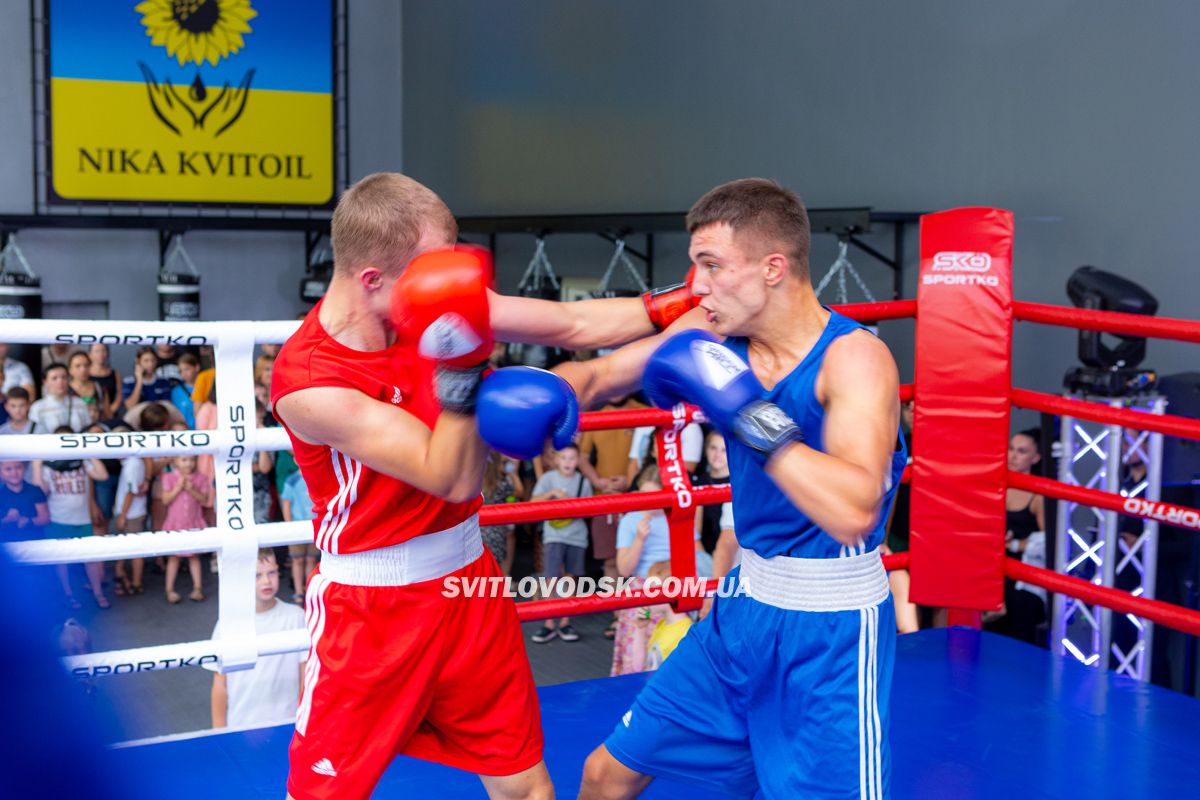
244 275
1079 115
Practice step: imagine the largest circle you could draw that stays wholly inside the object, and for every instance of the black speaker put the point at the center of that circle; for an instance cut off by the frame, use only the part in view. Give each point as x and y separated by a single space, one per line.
1181 457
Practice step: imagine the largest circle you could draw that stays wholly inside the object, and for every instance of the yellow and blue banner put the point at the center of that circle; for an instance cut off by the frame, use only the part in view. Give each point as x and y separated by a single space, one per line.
192 101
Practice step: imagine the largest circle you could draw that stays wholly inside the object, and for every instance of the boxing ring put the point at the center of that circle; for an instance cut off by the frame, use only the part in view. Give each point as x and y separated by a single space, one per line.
975 715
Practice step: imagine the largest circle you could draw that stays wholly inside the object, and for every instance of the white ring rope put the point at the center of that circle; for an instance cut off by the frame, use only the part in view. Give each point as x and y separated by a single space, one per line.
235 538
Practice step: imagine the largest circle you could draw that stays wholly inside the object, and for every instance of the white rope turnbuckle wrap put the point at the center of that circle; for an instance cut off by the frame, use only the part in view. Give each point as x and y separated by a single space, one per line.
235 538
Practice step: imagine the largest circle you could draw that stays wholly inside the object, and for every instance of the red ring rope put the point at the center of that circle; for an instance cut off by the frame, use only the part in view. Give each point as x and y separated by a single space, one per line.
877 312
1167 424
1183 330
1181 619
1171 514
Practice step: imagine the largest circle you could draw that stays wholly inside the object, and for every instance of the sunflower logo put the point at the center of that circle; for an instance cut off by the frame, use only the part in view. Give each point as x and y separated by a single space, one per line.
197 31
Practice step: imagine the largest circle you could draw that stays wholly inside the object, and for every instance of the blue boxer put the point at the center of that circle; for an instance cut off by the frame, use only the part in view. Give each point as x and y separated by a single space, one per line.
783 690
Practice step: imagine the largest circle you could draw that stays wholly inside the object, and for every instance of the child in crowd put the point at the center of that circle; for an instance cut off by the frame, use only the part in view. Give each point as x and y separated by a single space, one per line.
564 541
296 505
58 406
671 626
260 469
185 493
16 403
23 507
270 693
131 506
68 488
145 385
181 393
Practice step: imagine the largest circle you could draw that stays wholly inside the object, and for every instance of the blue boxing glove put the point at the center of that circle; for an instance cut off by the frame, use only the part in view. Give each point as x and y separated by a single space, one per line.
518 407
695 367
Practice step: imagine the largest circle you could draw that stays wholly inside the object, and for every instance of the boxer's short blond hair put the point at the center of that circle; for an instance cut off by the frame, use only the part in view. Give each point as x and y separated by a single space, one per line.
380 220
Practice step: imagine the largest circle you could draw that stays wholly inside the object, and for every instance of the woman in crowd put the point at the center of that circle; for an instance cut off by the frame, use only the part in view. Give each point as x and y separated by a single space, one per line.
108 377
501 484
1023 610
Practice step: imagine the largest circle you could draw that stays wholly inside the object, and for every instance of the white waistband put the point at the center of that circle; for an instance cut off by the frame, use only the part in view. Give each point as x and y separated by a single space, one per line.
423 558
815 584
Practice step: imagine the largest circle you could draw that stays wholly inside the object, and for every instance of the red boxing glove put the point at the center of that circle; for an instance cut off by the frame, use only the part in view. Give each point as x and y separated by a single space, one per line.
485 258
668 304
440 305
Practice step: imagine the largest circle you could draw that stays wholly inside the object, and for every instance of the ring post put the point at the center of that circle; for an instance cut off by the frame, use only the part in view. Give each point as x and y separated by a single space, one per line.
238 558
961 422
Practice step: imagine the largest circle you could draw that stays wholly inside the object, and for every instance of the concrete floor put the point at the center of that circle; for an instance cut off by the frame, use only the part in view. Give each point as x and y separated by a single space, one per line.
177 701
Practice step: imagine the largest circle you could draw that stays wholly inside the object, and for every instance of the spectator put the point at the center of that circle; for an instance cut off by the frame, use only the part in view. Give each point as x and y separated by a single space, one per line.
185 493
82 385
132 493
58 354
144 385
1023 611
669 629
726 555
714 470
109 379
271 349
260 469
269 693
501 484
104 491
181 394
58 407
154 417
168 363
263 369
16 373
68 488
564 541
611 452
23 508
643 540
642 449
643 537
16 404
907 617
296 506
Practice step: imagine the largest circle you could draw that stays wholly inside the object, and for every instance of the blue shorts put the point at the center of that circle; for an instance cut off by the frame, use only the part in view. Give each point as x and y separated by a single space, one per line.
759 701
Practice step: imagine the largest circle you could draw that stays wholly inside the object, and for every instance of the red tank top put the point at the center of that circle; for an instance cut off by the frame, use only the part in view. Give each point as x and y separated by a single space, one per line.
356 507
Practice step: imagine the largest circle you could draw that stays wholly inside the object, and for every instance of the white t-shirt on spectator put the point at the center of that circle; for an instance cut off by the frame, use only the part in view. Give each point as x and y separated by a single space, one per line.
67 495
50 413
270 693
691 443
133 472
16 373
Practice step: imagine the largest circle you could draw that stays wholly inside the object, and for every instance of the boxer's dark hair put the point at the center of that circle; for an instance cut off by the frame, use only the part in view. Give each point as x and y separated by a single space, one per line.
770 215
381 219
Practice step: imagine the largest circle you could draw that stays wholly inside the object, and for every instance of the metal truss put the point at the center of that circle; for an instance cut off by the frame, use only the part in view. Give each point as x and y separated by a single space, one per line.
1091 546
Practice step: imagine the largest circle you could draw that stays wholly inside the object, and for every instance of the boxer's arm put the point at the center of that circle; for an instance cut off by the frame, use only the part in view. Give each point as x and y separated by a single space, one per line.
579 325
841 489
620 373
446 462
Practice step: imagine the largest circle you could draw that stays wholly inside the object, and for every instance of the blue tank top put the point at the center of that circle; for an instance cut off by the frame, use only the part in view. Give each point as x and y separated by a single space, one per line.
766 521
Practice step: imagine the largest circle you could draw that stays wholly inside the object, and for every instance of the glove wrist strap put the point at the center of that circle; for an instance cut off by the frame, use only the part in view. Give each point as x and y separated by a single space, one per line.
457 387
765 429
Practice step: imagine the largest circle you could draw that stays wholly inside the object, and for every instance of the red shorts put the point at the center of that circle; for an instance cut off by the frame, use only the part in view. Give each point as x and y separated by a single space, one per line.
402 669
